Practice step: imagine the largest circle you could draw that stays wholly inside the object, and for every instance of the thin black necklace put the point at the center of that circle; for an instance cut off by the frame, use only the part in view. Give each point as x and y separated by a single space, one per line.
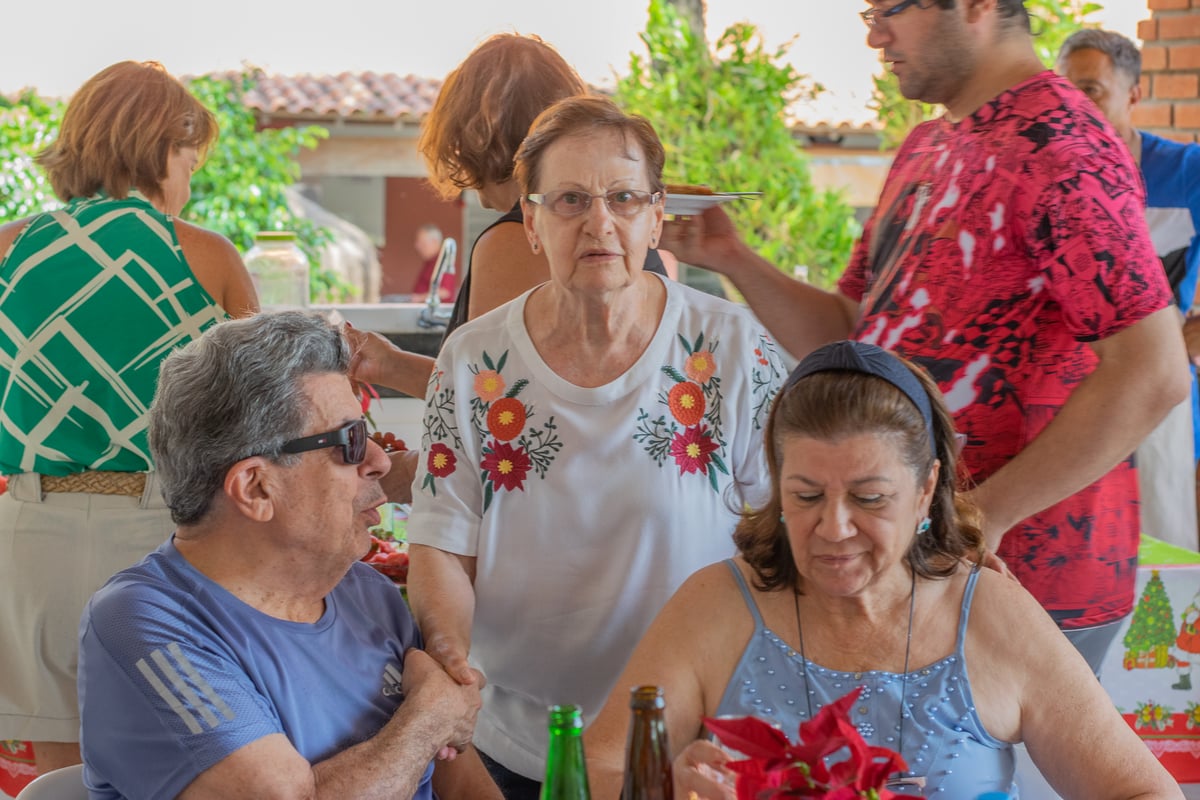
912 598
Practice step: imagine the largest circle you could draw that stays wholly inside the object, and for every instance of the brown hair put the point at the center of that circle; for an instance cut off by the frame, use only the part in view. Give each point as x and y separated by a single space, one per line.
831 405
485 107
587 115
119 130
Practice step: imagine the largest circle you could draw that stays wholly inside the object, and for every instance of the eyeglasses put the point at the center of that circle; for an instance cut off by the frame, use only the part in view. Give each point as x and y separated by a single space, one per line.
351 437
872 16
572 203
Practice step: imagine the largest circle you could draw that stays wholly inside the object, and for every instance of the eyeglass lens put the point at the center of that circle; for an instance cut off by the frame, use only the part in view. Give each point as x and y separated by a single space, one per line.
622 202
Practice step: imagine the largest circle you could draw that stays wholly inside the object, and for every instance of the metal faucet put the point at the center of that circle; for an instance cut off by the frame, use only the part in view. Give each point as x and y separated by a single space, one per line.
434 315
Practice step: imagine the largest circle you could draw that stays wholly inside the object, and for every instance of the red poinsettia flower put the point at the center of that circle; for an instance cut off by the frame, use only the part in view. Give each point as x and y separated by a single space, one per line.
686 400
489 385
506 465
776 768
441 460
506 418
700 366
691 449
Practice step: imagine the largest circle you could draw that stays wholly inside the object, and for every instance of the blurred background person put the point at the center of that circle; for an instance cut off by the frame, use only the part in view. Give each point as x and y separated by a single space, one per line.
527 557
428 244
469 138
1107 67
93 297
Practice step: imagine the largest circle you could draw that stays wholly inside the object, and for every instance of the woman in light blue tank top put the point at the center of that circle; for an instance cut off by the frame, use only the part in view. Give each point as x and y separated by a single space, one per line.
862 573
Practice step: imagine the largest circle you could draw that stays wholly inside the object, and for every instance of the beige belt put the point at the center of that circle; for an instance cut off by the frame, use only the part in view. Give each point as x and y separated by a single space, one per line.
130 484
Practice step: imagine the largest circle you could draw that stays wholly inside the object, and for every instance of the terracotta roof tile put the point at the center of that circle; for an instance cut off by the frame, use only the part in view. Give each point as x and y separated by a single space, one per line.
390 97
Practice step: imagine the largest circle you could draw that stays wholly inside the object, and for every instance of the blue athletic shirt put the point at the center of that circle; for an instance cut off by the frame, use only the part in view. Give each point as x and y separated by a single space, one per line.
176 673
1171 171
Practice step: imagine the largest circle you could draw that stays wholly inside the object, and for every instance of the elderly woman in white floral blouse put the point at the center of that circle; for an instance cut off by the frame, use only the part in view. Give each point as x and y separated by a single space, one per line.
587 446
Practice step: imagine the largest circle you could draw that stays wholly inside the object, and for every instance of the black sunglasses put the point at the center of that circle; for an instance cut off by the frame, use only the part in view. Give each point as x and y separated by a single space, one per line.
351 437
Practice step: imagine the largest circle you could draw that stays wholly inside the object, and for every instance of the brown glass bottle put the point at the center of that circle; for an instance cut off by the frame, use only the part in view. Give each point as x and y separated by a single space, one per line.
647 756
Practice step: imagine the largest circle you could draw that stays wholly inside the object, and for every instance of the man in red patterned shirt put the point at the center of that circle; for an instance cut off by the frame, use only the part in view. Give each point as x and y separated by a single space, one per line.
1009 256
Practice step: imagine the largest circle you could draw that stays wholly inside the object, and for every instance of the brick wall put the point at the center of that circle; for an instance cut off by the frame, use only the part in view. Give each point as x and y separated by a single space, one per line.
1170 103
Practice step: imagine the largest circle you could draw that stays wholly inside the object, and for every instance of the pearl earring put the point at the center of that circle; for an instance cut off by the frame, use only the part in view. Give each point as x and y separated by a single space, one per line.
923 526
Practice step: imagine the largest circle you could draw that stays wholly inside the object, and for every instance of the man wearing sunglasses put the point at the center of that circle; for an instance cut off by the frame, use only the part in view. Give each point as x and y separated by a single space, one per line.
252 655
1009 256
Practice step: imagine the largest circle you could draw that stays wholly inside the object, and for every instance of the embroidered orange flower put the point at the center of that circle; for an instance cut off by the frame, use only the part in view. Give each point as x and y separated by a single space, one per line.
489 385
506 418
700 366
441 460
687 403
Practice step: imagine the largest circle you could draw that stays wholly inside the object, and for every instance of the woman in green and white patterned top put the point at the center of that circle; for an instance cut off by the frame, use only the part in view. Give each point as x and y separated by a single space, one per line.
92 297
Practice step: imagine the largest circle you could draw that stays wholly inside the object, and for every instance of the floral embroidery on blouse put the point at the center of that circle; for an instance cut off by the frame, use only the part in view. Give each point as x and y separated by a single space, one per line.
765 378
693 434
511 448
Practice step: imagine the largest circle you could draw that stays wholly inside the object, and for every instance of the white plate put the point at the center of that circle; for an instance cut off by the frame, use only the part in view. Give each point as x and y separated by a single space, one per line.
689 204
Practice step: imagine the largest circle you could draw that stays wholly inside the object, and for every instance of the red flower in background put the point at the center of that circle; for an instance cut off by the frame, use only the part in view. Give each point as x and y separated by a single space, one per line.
505 465
774 768
691 449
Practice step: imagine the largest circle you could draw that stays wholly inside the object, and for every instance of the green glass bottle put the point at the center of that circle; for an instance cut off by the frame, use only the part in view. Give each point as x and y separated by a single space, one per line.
647 756
566 772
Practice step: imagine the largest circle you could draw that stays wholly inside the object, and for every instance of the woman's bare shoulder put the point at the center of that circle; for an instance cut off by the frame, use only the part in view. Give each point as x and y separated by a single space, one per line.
203 242
9 232
218 266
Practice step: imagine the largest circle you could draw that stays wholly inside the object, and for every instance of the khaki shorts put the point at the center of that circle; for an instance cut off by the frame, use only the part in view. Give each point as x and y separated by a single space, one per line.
54 554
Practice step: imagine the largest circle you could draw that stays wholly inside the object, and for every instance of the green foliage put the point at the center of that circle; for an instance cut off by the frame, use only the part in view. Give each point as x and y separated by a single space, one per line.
721 117
27 124
1052 22
238 191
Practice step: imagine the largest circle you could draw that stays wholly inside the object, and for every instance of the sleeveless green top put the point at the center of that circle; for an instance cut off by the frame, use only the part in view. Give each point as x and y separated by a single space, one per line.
92 298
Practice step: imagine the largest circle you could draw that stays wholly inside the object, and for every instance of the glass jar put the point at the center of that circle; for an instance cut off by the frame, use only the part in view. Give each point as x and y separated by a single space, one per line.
279 269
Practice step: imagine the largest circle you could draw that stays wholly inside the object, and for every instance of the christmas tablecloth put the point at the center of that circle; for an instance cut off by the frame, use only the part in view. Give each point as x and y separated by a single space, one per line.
1151 671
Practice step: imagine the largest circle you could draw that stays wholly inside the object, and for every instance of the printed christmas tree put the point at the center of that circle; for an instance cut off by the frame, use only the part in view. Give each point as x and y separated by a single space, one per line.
1152 631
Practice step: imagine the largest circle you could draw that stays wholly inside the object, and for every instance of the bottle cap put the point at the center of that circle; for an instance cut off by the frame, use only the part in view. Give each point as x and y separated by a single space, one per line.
275 236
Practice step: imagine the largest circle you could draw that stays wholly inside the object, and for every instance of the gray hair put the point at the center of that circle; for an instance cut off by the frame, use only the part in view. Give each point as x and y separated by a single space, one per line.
234 393
1123 53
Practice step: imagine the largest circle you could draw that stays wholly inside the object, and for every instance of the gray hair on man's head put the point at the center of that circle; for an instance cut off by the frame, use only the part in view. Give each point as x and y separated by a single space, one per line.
233 393
1123 53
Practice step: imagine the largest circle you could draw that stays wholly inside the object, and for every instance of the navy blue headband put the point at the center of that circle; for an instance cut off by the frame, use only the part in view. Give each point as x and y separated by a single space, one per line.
851 356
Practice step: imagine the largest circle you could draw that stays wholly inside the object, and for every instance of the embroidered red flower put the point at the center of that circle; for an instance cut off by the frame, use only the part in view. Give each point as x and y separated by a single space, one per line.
700 366
776 768
691 449
506 418
687 403
441 460
489 385
506 466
